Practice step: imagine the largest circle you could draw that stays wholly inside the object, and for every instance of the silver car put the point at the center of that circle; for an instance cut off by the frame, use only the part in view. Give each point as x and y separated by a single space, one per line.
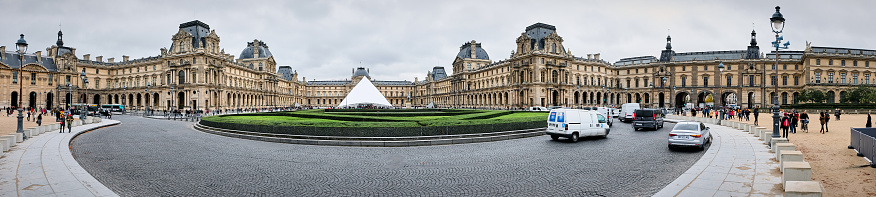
689 133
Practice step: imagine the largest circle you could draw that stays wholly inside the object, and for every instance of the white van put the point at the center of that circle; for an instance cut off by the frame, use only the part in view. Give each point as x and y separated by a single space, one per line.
606 112
574 123
627 111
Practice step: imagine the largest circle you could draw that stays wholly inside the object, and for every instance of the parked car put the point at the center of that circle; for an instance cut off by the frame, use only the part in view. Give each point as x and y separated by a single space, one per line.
574 123
538 109
627 111
554 107
689 133
648 118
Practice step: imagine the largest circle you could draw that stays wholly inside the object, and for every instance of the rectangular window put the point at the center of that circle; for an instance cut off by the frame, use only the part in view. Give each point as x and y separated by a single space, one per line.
796 80
14 76
628 83
729 80
751 80
50 79
773 80
842 77
830 62
842 62
68 79
96 83
818 77
867 64
705 67
796 67
785 80
855 63
855 78
784 67
774 67
683 68
705 81
683 81
818 62
32 78
866 78
646 82
829 77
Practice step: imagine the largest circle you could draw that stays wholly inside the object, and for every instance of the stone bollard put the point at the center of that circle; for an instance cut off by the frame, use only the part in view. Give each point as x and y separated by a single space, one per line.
19 137
8 141
3 145
789 156
776 141
796 171
757 131
28 133
779 147
803 188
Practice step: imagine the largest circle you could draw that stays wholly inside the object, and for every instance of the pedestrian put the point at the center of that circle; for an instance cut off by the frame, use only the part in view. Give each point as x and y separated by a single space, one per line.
39 120
69 123
756 113
785 123
63 122
826 121
804 118
822 120
869 124
794 117
837 113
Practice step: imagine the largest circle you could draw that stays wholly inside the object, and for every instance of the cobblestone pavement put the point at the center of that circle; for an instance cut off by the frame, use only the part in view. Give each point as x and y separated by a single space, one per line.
147 157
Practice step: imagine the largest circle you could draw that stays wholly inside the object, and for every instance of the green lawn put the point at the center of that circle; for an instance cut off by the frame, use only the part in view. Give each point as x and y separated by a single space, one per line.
383 118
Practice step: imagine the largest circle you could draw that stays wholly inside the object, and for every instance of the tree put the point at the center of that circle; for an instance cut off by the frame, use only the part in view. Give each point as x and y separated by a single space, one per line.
811 95
859 94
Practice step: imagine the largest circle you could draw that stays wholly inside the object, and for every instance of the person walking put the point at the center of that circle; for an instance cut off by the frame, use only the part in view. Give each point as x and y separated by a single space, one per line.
39 120
822 120
785 123
756 113
837 113
63 122
794 119
804 118
869 124
826 121
69 123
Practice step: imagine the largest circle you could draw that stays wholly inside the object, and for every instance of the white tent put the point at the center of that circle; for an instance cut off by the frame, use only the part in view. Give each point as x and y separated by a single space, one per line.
365 94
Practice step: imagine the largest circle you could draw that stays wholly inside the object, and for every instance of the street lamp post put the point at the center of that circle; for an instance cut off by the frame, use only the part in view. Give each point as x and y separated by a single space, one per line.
722 111
650 92
663 85
778 24
124 89
21 47
147 94
84 78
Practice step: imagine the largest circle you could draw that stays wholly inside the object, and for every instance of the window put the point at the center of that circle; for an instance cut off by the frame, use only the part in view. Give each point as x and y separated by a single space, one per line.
785 80
705 81
637 83
774 67
182 77
96 83
784 67
50 79
628 82
773 80
194 60
866 78
32 78
637 71
796 67
68 79
260 66
628 72
867 64
168 78
553 48
818 62
729 80
830 62
796 80
818 77
705 67
842 62
14 76
842 77
855 63
683 81
646 82
829 77
855 78
683 68
194 77
751 80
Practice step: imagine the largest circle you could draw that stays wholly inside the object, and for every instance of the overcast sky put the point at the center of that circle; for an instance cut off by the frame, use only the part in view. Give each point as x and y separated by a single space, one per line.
400 40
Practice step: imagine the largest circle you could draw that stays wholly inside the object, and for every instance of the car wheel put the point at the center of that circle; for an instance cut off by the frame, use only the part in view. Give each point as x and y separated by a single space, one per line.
670 147
554 137
702 147
574 137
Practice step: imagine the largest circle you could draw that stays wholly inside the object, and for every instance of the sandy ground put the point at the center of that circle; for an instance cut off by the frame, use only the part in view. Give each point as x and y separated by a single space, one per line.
10 124
838 168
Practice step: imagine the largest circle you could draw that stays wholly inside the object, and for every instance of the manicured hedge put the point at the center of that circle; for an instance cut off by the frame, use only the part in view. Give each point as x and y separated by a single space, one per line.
830 106
377 131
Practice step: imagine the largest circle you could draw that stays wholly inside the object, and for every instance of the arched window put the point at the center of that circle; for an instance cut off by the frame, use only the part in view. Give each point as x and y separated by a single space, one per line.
554 76
182 77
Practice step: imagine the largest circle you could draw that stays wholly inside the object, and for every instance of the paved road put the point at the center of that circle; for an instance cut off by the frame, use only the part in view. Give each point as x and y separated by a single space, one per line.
147 157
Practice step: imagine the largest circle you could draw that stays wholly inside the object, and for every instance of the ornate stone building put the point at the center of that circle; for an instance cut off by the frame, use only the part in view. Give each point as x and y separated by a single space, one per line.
194 72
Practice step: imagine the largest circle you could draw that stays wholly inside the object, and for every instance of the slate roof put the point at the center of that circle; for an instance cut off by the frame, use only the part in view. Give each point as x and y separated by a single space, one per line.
12 60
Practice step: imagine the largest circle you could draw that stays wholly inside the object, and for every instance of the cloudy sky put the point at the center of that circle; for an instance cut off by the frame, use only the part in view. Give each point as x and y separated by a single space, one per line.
400 40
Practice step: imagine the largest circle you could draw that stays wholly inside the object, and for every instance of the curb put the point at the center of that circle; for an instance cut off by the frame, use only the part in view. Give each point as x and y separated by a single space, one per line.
372 141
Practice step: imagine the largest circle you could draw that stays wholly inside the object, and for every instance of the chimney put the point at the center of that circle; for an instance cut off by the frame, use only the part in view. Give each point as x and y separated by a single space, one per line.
2 52
87 57
473 49
38 55
111 60
589 56
596 56
99 58
125 58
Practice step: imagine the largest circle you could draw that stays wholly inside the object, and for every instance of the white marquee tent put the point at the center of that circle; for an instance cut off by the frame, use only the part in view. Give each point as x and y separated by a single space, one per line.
365 94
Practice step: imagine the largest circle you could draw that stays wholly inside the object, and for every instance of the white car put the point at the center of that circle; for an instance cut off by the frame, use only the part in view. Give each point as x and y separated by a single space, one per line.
538 109
575 123
689 133
627 111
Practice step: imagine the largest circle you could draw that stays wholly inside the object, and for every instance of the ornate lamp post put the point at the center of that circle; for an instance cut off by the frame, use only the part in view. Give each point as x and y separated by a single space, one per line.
650 91
147 94
124 89
778 24
663 85
83 116
721 92
21 47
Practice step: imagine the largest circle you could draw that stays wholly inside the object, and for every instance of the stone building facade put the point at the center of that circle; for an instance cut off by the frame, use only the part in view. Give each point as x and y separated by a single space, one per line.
195 73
